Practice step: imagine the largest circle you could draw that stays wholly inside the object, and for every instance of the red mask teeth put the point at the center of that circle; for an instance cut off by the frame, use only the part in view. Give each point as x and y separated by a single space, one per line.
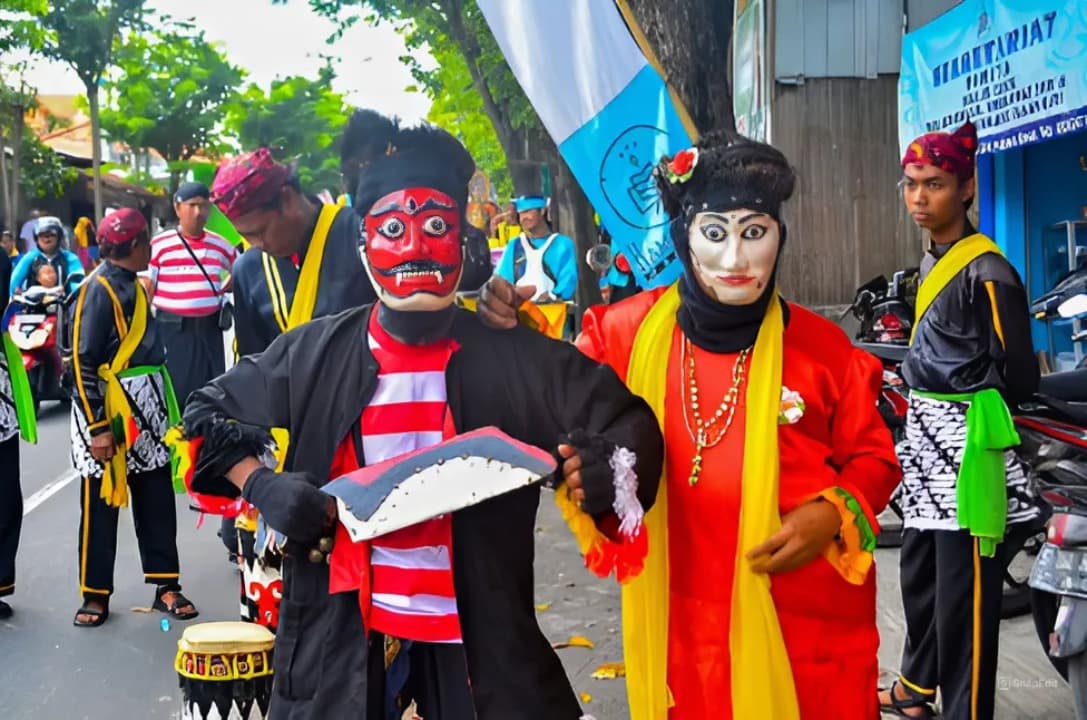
413 243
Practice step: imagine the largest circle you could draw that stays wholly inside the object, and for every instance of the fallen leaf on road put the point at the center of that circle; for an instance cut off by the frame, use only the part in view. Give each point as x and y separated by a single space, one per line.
145 610
575 641
610 671
586 697
543 607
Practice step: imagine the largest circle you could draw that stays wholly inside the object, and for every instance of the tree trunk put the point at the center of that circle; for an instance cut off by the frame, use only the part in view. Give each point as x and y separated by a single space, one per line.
16 157
96 151
9 217
692 40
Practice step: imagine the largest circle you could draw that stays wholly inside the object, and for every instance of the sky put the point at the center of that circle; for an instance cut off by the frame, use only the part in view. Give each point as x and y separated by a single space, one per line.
281 40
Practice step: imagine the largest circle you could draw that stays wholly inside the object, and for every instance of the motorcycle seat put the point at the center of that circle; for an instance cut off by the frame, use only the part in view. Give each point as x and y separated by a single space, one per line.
1069 386
885 351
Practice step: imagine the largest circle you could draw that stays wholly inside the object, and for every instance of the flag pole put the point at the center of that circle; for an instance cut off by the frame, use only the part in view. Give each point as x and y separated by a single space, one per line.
643 44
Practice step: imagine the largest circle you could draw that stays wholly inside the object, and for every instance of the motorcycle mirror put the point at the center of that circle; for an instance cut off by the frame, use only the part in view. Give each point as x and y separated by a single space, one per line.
1073 306
599 257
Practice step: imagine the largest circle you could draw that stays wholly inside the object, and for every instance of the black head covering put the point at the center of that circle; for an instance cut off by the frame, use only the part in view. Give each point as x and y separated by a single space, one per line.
731 172
190 190
368 135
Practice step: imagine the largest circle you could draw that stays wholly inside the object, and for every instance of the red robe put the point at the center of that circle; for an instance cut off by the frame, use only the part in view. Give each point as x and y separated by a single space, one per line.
828 624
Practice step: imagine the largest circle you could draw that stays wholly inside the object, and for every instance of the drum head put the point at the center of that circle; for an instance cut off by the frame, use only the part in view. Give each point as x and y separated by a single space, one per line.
226 637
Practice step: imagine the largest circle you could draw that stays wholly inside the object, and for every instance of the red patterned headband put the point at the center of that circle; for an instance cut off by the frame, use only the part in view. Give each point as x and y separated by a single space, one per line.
951 152
248 182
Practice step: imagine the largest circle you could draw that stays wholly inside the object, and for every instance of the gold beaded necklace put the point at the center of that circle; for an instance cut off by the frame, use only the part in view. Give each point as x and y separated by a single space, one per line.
707 433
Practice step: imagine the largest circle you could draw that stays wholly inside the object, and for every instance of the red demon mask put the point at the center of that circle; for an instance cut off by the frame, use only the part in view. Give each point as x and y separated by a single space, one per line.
412 249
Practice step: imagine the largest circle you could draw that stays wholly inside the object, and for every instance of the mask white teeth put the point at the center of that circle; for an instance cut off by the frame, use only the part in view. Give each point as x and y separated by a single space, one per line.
438 276
399 279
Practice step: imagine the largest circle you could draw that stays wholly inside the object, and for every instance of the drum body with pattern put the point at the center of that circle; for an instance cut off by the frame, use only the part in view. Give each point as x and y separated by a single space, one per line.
261 582
225 671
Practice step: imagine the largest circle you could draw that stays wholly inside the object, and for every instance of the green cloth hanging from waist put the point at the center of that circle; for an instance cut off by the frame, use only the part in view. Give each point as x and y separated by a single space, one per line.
20 390
981 489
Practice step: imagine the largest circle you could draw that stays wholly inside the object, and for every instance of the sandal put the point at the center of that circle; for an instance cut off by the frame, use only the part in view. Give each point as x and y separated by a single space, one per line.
99 616
898 706
173 608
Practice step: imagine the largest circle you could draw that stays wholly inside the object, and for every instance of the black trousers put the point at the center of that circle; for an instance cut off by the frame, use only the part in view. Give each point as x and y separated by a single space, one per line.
437 681
194 351
951 597
11 513
151 496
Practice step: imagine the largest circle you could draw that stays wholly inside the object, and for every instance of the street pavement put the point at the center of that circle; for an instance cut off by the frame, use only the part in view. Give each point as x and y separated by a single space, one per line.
51 670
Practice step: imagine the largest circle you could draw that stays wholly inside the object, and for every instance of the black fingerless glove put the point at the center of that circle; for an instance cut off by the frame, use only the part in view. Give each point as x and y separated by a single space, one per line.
225 444
291 504
597 476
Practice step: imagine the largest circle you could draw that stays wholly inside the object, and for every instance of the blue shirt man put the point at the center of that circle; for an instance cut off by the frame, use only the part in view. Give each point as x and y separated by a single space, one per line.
539 257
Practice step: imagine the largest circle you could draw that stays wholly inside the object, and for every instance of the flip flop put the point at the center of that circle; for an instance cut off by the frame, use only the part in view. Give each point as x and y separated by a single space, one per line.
100 616
898 706
174 608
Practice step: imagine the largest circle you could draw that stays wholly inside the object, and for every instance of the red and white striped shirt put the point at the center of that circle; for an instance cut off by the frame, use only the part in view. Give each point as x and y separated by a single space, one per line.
411 569
179 285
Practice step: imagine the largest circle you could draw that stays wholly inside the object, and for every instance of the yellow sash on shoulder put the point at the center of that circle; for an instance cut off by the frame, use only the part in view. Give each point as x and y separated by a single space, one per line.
122 424
762 681
305 294
945 270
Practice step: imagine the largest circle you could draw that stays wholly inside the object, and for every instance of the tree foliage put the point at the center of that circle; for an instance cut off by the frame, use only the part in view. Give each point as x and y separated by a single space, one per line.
169 92
298 118
42 172
82 35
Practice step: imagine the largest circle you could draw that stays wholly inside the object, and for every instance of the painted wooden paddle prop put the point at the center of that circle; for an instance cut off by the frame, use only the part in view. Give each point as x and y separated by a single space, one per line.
458 473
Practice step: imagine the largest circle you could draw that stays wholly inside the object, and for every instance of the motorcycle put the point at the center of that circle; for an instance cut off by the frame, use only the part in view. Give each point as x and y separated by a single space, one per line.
37 328
1067 300
1054 431
885 313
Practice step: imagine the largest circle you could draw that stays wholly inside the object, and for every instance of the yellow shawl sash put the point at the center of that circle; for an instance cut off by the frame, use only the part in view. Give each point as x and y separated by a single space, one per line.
762 682
122 423
945 270
289 315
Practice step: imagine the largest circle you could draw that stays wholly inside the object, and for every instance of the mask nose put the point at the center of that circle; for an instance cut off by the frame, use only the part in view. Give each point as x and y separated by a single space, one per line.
732 256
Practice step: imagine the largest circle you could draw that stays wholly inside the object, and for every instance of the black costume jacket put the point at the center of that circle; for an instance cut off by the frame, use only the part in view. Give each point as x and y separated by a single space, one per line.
976 334
96 339
262 294
315 381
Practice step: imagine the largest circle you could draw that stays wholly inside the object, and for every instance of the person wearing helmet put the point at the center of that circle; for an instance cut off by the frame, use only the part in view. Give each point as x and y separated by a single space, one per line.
48 238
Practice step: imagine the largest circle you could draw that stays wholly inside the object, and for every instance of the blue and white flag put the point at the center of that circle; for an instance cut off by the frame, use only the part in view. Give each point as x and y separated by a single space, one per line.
608 111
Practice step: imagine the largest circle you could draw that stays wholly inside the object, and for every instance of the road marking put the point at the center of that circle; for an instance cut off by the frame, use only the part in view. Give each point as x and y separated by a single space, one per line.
48 491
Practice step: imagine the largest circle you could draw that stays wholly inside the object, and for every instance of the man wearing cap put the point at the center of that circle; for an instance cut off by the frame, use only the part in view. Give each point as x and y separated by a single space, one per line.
122 405
304 259
538 257
970 359
187 284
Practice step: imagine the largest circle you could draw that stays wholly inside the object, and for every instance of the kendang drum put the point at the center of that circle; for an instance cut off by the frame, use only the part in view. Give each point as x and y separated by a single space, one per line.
225 671
261 581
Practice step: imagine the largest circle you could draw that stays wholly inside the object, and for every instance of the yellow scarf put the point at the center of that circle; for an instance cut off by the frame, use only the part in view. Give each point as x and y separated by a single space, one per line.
953 262
118 410
289 315
762 682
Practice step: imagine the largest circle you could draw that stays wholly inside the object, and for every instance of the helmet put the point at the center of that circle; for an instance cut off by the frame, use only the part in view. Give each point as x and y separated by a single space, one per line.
48 223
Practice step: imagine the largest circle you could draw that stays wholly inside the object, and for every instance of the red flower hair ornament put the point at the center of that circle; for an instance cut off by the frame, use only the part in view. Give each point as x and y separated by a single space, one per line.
681 167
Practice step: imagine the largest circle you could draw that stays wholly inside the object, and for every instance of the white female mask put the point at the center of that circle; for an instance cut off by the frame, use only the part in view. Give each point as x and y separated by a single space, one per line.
734 253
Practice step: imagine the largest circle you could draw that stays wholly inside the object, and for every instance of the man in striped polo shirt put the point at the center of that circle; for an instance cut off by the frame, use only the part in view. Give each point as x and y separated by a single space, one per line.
188 276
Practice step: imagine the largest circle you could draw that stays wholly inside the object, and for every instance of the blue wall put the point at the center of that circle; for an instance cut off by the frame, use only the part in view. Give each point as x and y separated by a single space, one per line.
1032 188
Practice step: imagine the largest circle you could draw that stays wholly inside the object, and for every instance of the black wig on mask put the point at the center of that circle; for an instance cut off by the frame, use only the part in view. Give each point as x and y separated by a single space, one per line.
732 172
368 135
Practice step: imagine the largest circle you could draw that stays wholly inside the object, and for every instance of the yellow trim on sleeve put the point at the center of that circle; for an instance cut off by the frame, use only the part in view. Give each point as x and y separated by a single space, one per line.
275 290
80 389
975 667
990 287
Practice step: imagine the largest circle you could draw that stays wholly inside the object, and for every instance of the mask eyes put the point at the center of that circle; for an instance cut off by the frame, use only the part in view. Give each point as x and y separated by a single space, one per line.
391 228
714 232
753 232
436 226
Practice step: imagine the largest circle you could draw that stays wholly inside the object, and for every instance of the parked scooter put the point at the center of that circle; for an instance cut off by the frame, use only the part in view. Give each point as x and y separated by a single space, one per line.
885 313
37 328
1054 432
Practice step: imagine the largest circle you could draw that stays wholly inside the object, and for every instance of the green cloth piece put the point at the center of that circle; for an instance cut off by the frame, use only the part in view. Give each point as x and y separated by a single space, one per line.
868 535
20 390
173 413
981 490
